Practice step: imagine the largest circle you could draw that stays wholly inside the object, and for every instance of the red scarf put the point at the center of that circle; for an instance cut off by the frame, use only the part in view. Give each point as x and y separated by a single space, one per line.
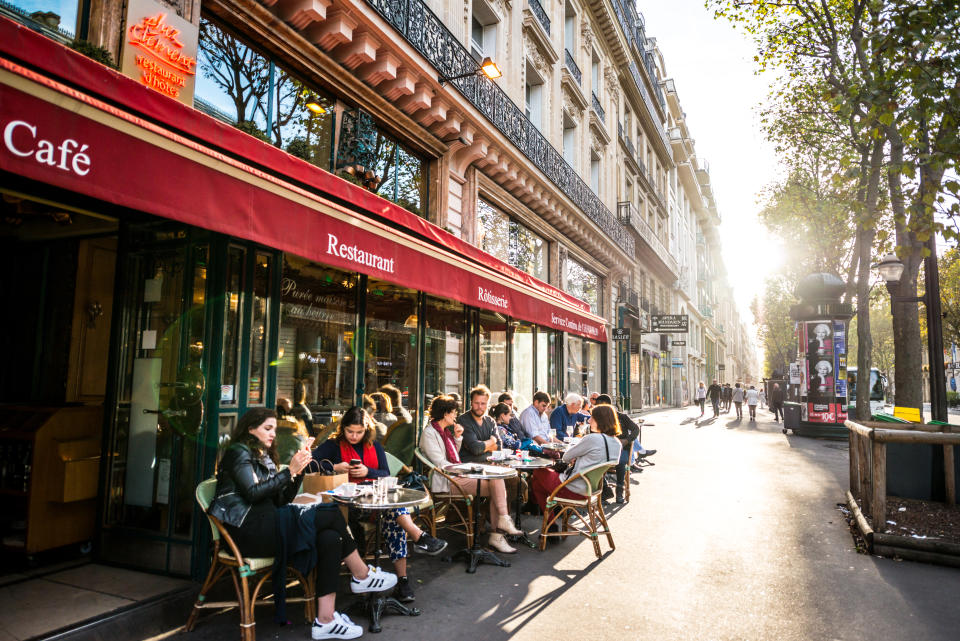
449 442
370 460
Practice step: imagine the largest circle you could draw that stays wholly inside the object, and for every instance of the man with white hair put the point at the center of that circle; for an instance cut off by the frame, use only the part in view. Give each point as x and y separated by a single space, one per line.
567 416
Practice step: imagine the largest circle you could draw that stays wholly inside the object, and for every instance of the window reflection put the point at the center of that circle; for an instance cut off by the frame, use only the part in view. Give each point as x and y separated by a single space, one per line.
54 18
583 365
318 318
582 283
444 364
493 351
523 364
510 241
391 350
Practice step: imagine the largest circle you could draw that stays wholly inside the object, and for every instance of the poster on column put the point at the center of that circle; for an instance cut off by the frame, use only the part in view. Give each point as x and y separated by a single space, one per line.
840 367
820 362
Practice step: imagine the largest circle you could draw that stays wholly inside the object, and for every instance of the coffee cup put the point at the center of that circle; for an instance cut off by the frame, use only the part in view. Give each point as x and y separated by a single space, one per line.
348 490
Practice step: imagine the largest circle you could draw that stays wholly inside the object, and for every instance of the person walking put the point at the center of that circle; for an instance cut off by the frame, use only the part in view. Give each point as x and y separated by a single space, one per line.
701 396
753 397
727 397
776 402
714 392
738 400
763 396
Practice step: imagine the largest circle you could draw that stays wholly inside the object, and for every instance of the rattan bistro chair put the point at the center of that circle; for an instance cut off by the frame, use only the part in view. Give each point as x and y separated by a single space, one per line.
454 507
588 510
246 573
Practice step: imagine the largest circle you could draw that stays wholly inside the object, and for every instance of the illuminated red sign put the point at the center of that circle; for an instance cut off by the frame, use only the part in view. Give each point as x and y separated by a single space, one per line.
163 64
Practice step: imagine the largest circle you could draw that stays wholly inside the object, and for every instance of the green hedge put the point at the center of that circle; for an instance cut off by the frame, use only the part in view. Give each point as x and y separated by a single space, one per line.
953 399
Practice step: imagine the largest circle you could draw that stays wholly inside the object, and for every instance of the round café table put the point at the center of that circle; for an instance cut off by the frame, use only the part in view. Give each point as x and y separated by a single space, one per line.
476 554
525 468
377 604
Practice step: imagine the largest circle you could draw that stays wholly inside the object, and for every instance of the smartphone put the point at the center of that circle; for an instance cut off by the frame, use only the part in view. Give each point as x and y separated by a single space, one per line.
309 442
354 462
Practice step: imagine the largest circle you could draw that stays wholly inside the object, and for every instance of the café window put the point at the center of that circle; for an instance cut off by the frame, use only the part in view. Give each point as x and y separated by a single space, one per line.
391 350
316 354
524 363
57 19
445 338
583 365
368 157
582 283
493 352
511 242
240 86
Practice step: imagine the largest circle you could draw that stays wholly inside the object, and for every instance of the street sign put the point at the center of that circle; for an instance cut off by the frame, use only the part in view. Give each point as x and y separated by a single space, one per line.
620 334
682 343
669 323
721 367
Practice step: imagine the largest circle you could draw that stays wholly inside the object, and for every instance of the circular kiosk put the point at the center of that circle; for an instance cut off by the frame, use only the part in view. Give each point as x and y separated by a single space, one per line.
816 403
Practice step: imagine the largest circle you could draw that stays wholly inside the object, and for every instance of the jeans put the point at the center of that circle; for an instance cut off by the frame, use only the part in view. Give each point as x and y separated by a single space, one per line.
701 402
716 406
777 411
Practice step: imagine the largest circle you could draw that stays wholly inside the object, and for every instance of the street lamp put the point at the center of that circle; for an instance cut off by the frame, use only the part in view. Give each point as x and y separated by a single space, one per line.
487 68
891 269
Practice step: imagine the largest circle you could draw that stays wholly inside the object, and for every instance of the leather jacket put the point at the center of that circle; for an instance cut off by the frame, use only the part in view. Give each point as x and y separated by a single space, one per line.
243 481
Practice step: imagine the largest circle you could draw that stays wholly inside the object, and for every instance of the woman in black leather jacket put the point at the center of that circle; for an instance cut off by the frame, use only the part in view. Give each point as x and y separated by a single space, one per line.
254 503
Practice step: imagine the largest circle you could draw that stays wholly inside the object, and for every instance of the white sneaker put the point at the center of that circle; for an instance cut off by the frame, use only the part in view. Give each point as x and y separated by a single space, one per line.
340 627
377 581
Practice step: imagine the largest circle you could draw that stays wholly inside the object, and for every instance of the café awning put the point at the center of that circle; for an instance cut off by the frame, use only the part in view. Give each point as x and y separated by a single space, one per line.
76 124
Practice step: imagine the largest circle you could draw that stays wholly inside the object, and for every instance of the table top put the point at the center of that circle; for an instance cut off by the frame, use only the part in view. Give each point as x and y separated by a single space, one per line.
403 497
468 471
524 464
555 446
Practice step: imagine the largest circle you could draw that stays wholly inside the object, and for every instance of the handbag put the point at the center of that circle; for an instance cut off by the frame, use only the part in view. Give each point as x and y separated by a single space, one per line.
323 480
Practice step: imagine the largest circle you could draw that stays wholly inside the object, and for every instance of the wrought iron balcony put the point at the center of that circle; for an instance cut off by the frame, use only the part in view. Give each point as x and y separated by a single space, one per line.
571 65
537 9
630 147
596 106
638 81
426 33
645 304
629 215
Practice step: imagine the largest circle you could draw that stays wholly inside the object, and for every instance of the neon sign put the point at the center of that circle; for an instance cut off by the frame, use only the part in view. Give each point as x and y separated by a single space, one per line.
163 64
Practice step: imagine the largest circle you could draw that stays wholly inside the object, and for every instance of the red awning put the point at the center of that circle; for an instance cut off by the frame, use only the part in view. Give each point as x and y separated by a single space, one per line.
57 134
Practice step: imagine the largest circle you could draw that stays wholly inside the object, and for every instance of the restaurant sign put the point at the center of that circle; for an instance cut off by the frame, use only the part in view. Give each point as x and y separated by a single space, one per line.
669 323
160 49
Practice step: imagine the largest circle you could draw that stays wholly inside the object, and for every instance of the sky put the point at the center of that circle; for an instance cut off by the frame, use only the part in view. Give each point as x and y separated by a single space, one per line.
712 66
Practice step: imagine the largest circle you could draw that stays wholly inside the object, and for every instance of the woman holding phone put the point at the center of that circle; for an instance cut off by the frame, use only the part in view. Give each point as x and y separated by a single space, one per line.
440 442
354 449
253 501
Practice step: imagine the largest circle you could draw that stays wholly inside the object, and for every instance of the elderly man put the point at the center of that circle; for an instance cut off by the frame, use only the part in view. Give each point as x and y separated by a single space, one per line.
479 429
566 417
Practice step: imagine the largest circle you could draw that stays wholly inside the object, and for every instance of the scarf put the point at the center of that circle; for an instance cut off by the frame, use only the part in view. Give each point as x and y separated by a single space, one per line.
449 443
370 459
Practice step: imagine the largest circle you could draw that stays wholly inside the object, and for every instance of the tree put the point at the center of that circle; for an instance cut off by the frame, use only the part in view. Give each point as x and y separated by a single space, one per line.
775 329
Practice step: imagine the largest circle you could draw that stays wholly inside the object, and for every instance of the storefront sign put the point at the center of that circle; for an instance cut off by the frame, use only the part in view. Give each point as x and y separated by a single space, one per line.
677 343
721 367
669 323
160 49
22 139
620 334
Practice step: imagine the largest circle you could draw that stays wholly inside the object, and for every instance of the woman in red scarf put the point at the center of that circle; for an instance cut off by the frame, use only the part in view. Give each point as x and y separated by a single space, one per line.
355 440
440 442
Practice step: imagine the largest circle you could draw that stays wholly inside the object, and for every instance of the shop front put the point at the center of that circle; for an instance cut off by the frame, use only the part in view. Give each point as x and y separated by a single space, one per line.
177 272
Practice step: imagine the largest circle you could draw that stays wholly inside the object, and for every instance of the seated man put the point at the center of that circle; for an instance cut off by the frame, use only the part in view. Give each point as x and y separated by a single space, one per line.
479 431
566 417
531 419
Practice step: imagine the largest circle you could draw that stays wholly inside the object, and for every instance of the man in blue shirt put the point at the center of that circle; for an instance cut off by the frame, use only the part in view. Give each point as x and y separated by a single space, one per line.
567 416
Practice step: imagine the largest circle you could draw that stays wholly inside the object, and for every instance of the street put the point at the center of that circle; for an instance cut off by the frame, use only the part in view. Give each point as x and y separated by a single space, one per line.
733 534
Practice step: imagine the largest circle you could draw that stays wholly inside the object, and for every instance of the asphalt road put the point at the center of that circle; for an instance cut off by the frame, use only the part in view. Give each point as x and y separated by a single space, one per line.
733 534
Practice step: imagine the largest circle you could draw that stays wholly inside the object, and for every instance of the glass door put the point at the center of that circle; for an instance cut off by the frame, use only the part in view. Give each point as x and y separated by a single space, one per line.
158 401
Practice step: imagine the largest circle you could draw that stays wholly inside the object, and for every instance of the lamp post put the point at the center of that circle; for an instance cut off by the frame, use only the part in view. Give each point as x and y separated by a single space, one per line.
891 269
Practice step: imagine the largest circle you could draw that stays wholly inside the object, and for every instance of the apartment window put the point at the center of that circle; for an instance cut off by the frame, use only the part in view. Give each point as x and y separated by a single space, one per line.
627 124
533 97
582 283
483 31
569 28
510 241
595 75
595 173
570 141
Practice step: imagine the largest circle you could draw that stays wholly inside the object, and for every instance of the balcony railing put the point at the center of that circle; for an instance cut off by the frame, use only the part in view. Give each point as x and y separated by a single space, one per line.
426 33
628 214
645 304
571 65
537 9
630 148
596 106
635 72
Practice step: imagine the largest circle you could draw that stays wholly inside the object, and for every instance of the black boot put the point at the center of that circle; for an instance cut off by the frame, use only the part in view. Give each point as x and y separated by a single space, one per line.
607 493
620 496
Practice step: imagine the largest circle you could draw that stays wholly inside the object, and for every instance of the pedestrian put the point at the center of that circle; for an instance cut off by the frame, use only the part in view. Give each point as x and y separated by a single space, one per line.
701 396
738 400
763 396
776 402
714 392
727 396
753 398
